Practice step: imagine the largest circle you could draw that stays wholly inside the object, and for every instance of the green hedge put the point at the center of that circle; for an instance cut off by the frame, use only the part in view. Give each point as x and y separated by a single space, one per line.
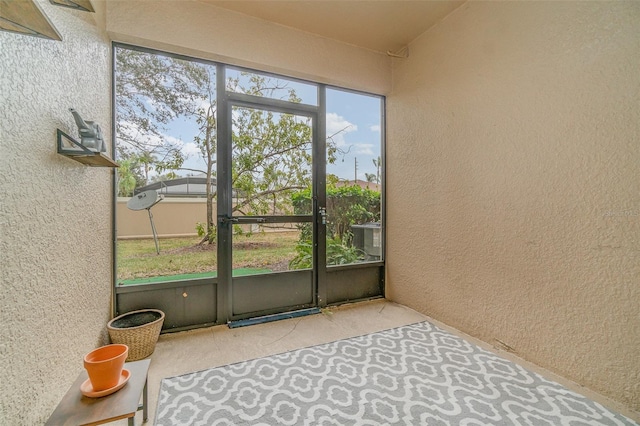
346 206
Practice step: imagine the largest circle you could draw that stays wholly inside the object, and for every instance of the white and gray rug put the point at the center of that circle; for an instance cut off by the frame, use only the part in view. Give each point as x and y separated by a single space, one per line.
411 375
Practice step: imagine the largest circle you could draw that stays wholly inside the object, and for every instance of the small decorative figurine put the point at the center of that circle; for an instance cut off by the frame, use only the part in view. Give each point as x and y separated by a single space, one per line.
90 133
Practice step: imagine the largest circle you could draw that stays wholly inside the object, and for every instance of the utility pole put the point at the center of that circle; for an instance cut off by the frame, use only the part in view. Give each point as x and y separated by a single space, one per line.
355 161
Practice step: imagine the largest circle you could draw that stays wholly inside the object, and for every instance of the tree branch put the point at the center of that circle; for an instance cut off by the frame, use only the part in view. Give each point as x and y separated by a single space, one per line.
265 193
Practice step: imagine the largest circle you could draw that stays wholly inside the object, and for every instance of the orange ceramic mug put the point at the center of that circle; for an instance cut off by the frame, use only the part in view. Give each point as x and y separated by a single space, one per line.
104 366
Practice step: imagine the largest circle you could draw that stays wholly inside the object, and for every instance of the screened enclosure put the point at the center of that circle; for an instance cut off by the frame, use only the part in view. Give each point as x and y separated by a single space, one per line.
290 177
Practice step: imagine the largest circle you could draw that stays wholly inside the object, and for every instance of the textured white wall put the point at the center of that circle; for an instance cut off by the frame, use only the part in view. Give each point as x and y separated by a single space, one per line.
514 183
55 214
205 31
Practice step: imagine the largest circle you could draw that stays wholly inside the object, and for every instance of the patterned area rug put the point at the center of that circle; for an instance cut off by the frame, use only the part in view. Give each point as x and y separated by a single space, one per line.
411 375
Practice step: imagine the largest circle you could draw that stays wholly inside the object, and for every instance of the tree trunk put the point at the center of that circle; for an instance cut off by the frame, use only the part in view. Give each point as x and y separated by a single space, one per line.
210 222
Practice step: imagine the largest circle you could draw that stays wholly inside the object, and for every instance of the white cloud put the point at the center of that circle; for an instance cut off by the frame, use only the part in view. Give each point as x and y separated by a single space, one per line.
134 133
364 149
190 148
173 140
375 128
153 141
203 103
166 139
151 103
337 127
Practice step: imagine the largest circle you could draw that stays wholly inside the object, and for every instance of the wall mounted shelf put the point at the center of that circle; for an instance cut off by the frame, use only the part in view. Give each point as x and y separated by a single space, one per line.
71 148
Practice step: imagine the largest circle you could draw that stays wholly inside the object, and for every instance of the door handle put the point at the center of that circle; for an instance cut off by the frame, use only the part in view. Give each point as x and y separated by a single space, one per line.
224 219
322 211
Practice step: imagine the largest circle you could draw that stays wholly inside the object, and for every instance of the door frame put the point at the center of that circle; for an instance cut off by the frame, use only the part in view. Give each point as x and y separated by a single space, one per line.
225 102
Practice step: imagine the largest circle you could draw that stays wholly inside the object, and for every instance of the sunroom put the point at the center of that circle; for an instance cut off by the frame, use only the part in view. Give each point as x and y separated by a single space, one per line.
505 141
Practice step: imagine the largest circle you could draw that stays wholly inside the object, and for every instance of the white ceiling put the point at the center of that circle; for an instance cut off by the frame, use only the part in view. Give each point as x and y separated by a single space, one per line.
379 25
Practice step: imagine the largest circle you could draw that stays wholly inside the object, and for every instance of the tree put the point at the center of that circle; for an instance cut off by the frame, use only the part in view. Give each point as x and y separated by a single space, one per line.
374 177
130 175
378 164
126 178
151 91
271 151
163 177
205 114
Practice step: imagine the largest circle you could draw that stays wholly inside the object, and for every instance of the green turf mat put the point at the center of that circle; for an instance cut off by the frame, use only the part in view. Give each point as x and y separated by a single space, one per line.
168 278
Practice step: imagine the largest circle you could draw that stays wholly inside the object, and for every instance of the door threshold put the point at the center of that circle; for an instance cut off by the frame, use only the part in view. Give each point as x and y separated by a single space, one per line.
274 317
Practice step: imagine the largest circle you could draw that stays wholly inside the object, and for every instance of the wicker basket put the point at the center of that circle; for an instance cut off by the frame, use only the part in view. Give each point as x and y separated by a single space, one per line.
137 329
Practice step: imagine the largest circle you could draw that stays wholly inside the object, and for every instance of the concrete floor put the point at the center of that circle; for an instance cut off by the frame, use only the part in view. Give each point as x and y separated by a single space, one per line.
189 351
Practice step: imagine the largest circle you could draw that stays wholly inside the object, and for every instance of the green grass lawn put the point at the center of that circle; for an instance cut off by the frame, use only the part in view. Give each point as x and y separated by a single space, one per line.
260 252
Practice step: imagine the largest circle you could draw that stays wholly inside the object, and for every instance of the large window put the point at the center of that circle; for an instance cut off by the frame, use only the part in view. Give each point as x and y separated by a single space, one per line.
354 177
165 143
167 147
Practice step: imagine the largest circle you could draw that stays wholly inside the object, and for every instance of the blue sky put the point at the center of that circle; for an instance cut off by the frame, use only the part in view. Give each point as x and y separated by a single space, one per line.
361 139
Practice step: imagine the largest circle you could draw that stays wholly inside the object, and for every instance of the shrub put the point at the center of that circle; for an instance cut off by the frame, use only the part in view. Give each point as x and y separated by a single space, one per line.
346 206
201 228
338 253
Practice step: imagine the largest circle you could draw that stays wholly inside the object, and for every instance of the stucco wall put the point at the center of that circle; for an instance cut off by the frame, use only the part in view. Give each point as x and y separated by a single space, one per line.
514 181
234 38
55 214
172 217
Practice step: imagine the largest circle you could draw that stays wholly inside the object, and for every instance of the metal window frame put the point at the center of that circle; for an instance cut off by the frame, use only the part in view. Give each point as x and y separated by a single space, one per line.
318 114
